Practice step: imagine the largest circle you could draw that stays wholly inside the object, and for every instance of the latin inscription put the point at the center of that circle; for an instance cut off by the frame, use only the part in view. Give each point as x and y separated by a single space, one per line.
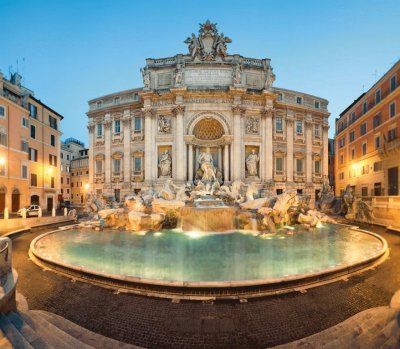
208 76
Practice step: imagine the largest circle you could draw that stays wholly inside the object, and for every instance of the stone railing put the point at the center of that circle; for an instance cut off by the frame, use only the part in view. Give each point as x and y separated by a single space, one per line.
386 211
253 62
8 277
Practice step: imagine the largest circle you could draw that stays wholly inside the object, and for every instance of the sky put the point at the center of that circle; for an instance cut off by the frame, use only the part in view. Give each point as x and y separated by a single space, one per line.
72 51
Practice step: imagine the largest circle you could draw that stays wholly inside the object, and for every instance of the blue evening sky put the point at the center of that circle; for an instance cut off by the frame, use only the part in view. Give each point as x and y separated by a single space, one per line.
78 50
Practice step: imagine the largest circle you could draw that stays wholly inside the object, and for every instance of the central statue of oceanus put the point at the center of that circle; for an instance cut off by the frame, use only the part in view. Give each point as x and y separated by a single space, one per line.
206 164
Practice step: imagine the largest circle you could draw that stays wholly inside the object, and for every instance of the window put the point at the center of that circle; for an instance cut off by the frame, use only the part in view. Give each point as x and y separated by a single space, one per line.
352 153
392 134
117 165
364 191
299 165
25 146
53 141
2 112
279 165
33 110
99 166
52 182
2 169
67 156
62 180
341 159
377 142
72 184
33 131
25 122
341 142
53 122
317 167
377 120
393 83
33 180
137 164
365 169
33 154
299 100
341 175
278 124
24 171
363 128
3 139
67 191
392 109
117 126
377 166
52 160
353 116
67 168
378 190
99 104
316 105
99 130
116 100
67 180
317 130
299 127
352 136
280 97
365 107
138 123
364 148
377 96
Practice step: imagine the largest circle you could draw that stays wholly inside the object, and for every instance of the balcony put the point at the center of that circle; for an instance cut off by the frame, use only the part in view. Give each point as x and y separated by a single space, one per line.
299 177
137 177
317 178
279 176
137 135
117 177
117 138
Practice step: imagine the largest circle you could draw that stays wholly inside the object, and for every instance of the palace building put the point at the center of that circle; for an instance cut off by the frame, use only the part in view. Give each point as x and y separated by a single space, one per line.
207 104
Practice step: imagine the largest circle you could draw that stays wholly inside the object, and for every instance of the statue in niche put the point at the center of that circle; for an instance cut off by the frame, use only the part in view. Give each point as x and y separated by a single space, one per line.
206 164
252 162
237 75
164 124
252 125
165 164
146 77
269 78
179 75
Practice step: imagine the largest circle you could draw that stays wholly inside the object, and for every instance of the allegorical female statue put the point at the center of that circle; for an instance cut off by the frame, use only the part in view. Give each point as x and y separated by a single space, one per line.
251 163
206 164
165 164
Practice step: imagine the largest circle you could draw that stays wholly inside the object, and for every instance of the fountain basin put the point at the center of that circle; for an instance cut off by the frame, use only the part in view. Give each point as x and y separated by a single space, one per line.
195 265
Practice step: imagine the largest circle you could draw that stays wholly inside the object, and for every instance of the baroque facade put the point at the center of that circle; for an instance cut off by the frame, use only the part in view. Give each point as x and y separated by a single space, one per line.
208 107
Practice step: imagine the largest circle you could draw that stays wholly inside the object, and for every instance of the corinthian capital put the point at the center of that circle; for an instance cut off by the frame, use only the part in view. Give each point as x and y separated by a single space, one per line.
148 112
178 109
91 126
126 120
238 109
107 124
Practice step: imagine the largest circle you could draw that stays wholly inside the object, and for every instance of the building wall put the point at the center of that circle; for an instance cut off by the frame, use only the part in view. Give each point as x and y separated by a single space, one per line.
12 157
79 180
369 119
17 124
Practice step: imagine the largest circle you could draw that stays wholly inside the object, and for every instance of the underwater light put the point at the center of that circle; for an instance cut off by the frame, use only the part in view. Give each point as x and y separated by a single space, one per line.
319 225
194 234
158 233
289 227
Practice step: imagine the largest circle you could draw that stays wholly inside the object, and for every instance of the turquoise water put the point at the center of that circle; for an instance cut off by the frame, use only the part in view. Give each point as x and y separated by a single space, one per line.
178 256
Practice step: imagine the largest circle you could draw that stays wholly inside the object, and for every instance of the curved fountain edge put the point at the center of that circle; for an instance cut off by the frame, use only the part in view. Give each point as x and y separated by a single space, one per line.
327 275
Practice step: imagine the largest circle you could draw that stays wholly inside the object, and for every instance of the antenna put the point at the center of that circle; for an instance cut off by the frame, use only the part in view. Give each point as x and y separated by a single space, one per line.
17 67
23 71
375 74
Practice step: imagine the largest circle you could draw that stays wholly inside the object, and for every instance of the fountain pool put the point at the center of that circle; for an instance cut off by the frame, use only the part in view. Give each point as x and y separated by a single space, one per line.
214 264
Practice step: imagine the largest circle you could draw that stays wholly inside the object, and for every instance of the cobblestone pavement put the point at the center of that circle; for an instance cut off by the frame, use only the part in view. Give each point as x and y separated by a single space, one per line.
159 323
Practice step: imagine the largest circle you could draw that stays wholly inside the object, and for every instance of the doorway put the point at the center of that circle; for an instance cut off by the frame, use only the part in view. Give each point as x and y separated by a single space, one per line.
35 200
15 200
393 178
2 199
49 203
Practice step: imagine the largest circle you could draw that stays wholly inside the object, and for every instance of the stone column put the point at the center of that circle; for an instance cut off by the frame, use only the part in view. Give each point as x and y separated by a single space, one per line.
180 162
190 163
107 149
148 156
289 142
269 165
309 158
325 165
220 158
154 151
226 162
91 128
127 122
237 143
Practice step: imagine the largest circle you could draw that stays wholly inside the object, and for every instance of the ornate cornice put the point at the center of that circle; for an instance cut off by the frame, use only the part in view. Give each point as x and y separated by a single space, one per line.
148 112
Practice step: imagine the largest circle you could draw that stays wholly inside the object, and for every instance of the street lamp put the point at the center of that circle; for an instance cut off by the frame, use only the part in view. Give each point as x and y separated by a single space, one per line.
87 186
2 166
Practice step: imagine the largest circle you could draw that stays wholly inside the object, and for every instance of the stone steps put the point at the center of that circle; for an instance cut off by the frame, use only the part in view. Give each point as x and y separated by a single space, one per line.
42 330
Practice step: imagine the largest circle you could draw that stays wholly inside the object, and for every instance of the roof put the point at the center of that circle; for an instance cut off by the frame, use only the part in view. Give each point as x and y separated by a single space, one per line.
46 106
